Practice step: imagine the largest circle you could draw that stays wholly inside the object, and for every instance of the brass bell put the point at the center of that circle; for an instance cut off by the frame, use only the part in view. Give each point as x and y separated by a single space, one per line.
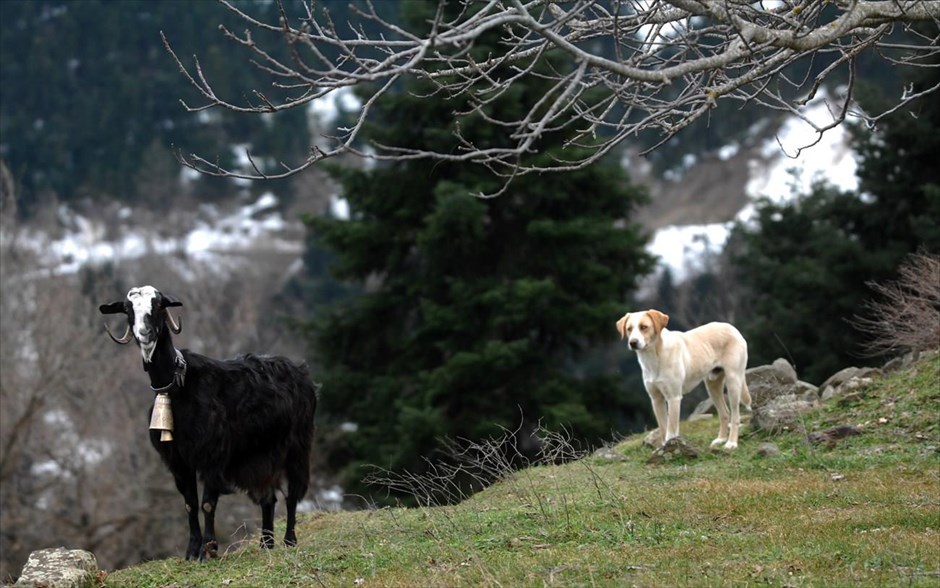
161 419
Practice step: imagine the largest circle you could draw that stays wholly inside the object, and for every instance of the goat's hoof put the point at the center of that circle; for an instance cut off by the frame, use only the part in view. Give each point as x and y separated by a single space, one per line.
267 542
290 541
210 550
194 550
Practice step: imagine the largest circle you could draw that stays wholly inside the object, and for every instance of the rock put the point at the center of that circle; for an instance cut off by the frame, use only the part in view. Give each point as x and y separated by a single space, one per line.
843 375
608 454
780 413
675 448
778 396
893 365
855 383
652 439
768 450
59 568
807 391
704 407
769 381
830 436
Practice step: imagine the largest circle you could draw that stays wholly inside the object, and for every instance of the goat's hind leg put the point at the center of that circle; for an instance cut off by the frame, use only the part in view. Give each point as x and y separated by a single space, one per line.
210 500
297 481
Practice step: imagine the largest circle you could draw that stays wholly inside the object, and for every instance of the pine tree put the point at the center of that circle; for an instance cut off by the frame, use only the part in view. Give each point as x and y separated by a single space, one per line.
807 264
476 313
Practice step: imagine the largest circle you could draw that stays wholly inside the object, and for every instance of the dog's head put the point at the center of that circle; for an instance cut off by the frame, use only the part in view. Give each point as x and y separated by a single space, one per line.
642 328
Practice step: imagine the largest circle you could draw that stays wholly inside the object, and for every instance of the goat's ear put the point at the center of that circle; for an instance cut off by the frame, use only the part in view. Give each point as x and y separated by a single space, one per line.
170 302
113 308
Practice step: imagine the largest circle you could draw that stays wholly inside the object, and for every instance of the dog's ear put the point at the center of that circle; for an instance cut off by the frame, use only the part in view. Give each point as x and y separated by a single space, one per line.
660 319
622 326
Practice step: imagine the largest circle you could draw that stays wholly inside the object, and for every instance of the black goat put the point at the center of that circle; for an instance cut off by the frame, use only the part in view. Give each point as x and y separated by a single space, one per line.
244 423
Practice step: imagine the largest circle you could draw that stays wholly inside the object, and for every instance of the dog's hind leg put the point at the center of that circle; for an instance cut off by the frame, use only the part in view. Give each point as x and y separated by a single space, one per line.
737 388
715 384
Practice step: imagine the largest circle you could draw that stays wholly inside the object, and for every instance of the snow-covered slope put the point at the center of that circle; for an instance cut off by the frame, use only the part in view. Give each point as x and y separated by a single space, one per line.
783 166
214 240
779 168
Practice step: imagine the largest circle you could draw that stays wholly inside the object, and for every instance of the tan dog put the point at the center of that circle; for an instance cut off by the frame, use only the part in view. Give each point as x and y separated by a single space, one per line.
674 363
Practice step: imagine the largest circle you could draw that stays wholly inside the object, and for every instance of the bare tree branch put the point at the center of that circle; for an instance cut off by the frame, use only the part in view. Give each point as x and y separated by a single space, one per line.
667 64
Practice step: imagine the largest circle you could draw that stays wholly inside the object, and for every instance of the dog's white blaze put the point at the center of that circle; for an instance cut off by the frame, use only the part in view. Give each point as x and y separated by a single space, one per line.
636 336
141 300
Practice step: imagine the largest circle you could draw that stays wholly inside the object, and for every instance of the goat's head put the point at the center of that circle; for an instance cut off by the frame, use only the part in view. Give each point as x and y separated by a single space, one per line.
147 315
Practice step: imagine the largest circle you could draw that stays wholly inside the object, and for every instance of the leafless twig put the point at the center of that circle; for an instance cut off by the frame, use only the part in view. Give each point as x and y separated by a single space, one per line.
675 60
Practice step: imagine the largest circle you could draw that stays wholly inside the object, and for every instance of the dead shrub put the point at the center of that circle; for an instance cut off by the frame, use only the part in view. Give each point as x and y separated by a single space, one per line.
905 313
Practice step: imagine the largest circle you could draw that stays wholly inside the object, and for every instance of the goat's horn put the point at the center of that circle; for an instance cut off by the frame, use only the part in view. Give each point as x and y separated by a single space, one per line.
124 340
176 327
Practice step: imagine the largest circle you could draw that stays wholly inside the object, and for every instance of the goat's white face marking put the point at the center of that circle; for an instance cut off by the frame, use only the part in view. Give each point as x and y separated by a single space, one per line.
142 300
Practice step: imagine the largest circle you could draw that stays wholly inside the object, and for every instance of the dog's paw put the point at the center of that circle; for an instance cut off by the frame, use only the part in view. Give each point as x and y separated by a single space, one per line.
731 445
718 441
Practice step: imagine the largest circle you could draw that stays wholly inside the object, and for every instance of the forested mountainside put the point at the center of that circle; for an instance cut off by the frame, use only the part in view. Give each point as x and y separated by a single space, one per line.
91 100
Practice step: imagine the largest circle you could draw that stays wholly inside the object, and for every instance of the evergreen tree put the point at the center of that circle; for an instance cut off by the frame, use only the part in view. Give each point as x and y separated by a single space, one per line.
475 313
806 263
804 270
88 95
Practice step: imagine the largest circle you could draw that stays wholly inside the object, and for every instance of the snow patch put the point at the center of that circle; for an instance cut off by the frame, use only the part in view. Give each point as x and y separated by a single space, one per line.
786 166
210 241
684 249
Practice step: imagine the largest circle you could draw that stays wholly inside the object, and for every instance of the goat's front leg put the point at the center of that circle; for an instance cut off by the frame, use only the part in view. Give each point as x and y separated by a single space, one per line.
186 484
267 520
210 499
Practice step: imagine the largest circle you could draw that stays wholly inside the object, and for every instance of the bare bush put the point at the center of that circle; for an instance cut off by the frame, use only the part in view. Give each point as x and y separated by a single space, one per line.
633 66
468 466
905 315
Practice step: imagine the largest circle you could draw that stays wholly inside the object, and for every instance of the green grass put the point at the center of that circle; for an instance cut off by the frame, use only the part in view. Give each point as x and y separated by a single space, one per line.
864 512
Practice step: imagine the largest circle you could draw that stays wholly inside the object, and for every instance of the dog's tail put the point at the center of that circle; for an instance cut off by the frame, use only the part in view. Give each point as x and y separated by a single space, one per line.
745 395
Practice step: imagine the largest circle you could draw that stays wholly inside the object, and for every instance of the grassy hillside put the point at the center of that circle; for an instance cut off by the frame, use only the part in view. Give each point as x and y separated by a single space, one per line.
862 511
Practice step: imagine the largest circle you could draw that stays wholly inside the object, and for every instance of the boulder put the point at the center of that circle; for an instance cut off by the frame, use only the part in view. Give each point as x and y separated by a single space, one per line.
781 413
703 409
778 397
675 448
769 381
59 568
845 374
854 384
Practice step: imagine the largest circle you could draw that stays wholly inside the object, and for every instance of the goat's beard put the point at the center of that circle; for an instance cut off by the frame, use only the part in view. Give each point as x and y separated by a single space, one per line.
147 350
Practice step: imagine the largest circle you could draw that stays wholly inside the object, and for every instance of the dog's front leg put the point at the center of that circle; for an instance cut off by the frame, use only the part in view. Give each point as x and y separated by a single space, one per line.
674 403
660 410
